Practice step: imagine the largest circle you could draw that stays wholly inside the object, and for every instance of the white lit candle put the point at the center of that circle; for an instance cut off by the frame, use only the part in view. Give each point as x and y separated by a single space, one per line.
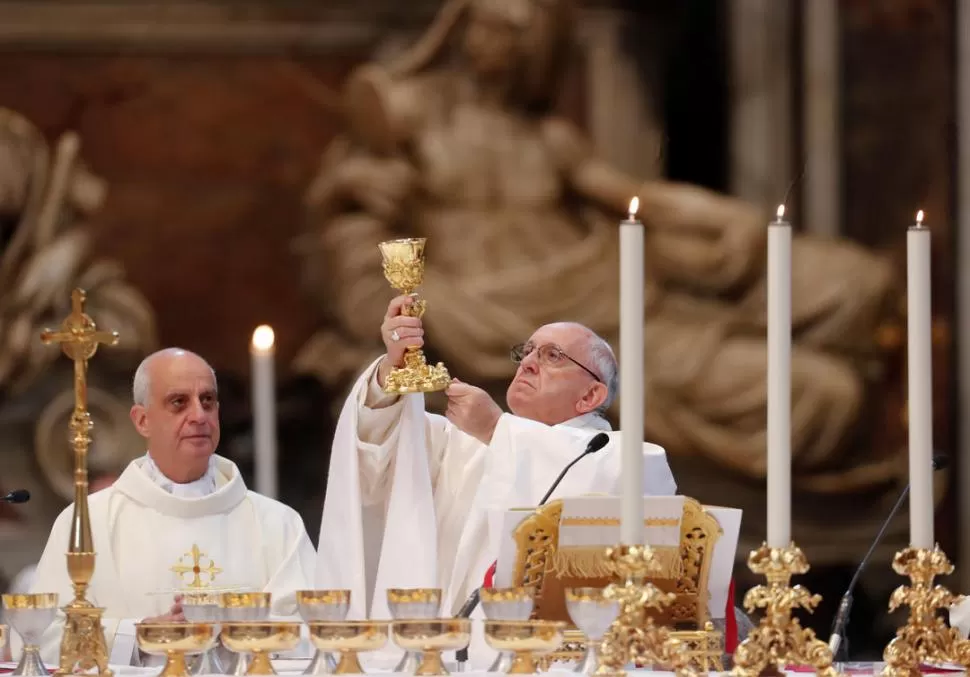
631 376
919 324
264 410
779 382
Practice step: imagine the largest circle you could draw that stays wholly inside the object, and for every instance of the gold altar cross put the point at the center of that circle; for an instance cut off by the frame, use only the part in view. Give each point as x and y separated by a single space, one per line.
79 338
196 569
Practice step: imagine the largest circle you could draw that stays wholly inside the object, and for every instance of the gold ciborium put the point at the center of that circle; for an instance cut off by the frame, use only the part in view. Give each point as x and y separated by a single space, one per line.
261 638
524 639
242 607
348 638
429 638
407 603
30 616
322 605
174 641
506 604
404 269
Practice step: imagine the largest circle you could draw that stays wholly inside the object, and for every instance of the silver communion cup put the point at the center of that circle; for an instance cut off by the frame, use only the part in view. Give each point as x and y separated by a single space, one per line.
593 615
322 605
203 607
30 616
241 607
412 604
506 604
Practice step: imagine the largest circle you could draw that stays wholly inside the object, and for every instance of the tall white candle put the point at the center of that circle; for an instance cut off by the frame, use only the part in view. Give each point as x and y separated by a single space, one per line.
631 376
779 382
264 410
919 324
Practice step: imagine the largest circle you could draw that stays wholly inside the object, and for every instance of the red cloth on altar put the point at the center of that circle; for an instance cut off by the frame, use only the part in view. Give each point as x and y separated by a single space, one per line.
730 621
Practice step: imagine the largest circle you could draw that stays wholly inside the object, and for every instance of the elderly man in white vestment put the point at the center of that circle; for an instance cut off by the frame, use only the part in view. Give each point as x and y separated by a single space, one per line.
178 518
410 494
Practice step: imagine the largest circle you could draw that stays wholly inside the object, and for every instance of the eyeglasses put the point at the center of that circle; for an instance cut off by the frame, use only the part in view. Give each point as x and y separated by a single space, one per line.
549 355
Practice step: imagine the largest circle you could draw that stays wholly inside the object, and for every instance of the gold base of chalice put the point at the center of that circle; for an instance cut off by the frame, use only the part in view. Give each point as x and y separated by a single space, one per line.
348 638
261 638
525 640
322 605
404 269
174 641
430 638
30 616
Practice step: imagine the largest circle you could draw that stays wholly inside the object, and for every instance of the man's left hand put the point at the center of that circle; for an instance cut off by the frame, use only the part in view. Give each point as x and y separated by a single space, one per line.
472 410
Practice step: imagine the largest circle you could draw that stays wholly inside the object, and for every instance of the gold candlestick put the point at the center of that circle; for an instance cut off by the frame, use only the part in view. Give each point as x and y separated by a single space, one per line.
404 269
83 645
780 639
925 637
634 637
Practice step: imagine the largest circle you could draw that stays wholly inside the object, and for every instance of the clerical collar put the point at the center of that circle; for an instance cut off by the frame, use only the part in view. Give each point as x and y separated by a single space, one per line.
203 486
590 421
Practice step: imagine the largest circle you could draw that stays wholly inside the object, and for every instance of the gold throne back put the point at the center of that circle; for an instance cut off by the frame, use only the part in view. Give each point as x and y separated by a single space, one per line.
684 569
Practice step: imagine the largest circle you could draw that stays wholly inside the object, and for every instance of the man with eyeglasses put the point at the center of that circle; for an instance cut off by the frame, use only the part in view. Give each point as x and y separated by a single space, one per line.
411 496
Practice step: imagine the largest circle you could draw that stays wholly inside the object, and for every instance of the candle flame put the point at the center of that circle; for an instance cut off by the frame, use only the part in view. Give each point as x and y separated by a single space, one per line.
781 212
634 207
263 338
919 218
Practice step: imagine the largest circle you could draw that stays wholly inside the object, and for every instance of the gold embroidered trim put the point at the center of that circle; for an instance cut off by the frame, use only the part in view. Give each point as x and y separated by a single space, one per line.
614 522
589 561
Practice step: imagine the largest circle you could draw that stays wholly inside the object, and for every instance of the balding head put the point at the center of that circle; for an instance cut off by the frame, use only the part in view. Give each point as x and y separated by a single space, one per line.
177 410
552 391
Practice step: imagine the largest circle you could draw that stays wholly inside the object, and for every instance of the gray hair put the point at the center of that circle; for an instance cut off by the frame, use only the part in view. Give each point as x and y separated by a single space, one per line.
141 384
603 361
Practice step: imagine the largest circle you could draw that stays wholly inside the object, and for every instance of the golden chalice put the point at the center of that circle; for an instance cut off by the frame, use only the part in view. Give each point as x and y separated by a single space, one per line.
506 604
260 638
322 605
203 607
525 639
174 641
429 638
593 612
348 638
404 269
30 616
242 607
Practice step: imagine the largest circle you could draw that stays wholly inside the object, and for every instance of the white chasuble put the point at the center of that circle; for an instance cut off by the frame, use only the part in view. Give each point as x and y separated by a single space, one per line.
409 494
152 544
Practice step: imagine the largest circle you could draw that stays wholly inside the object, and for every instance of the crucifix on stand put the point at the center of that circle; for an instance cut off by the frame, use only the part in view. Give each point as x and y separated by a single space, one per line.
83 644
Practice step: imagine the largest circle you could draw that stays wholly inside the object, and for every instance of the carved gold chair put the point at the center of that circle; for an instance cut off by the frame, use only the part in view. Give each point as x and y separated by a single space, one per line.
684 570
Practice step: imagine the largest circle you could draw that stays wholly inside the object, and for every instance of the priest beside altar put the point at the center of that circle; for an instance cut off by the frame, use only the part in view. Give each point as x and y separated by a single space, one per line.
414 499
179 519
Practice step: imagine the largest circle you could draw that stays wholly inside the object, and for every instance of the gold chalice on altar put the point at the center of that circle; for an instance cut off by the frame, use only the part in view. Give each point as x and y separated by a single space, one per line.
506 604
593 613
322 605
260 638
348 638
404 269
429 638
30 615
524 639
242 607
408 603
203 607
174 641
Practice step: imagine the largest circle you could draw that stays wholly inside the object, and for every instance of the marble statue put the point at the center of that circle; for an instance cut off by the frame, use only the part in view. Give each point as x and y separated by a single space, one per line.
458 141
46 196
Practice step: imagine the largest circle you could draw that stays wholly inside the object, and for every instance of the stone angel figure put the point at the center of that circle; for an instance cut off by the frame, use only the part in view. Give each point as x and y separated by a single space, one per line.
458 141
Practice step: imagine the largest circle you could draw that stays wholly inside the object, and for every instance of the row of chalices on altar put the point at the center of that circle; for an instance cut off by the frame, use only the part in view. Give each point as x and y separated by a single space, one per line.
240 622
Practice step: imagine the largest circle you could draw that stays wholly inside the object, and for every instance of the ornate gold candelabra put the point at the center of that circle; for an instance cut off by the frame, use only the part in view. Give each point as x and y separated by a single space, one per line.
634 637
83 644
779 638
925 637
404 269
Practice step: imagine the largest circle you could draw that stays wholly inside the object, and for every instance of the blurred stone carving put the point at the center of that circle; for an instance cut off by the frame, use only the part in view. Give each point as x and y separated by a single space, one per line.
46 193
457 141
